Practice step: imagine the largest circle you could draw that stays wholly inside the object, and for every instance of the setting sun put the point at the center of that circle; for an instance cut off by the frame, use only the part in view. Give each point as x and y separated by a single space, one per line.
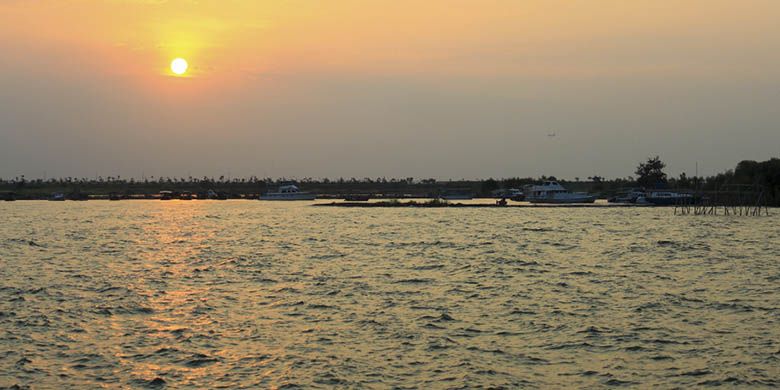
179 66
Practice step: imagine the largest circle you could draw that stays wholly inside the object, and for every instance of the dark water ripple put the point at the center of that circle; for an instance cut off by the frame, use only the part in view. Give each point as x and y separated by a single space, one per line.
262 295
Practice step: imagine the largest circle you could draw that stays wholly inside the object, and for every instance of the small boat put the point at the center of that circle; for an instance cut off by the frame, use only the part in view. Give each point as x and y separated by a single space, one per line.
185 195
9 197
114 196
669 198
357 198
515 195
57 197
508 193
288 192
166 195
627 197
553 192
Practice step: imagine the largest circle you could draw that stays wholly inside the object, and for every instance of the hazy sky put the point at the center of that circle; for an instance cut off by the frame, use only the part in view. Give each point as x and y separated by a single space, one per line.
445 89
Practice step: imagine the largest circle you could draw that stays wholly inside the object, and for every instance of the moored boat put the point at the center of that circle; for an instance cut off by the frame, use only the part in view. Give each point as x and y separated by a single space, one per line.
669 198
516 195
211 194
628 197
553 192
288 191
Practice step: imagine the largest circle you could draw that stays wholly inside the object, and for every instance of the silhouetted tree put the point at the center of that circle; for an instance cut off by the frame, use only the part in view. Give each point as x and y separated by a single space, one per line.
651 173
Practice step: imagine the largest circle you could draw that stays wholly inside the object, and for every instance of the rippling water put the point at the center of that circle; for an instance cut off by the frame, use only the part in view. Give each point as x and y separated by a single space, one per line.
208 294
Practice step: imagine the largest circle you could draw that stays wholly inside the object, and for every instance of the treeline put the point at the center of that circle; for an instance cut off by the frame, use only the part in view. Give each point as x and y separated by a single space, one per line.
649 174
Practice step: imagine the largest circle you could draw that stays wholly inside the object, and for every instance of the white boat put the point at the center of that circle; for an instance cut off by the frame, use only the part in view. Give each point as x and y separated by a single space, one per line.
552 192
288 192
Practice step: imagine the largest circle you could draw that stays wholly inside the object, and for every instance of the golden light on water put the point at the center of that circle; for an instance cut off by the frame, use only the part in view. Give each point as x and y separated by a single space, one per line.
179 66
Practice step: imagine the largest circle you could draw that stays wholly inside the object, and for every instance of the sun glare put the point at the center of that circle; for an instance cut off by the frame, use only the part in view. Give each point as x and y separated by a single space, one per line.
179 66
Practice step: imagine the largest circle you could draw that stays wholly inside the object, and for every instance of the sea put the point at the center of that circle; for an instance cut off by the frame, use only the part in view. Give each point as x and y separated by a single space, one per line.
284 295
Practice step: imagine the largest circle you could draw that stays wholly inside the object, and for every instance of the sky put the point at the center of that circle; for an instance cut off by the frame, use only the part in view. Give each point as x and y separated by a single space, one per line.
443 89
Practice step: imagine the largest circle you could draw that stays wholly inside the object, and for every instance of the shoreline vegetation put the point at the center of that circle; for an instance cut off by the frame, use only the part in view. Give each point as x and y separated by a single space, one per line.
765 174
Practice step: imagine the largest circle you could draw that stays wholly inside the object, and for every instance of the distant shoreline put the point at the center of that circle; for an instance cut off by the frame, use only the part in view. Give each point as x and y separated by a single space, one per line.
413 204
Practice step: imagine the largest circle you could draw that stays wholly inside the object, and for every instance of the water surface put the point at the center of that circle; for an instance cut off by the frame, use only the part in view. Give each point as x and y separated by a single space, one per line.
247 294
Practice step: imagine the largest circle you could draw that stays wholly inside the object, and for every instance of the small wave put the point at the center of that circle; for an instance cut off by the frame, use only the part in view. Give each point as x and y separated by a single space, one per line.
618 382
27 242
428 267
570 346
661 357
593 330
156 383
316 306
522 312
413 281
200 360
696 372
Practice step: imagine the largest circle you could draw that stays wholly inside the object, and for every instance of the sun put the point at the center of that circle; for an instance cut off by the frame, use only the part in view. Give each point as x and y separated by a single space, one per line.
179 66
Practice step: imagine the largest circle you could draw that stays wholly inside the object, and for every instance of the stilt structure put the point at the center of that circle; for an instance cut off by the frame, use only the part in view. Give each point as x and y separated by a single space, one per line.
730 199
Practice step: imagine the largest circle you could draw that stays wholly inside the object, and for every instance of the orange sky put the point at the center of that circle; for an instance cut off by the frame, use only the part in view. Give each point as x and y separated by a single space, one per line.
256 51
229 38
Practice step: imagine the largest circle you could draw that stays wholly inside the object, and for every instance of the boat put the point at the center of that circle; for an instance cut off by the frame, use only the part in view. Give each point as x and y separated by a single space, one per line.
214 195
114 196
288 191
669 198
57 197
508 193
515 195
628 197
166 195
553 192
185 195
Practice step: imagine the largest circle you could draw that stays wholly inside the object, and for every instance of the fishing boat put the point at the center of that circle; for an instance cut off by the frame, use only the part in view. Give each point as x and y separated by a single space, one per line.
288 191
669 198
553 192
